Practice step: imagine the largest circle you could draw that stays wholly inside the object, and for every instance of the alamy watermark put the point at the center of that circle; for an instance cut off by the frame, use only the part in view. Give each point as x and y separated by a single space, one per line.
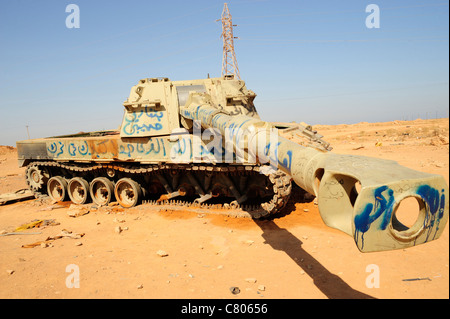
373 279
73 19
73 280
373 19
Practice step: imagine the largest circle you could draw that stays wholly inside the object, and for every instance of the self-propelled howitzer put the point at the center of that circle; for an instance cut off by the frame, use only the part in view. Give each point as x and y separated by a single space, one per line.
202 143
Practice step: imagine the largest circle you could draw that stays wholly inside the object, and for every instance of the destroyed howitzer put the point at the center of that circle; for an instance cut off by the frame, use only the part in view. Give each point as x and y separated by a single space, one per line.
201 143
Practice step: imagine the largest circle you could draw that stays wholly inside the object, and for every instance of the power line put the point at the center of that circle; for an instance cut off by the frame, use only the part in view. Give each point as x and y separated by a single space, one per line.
359 92
273 40
342 11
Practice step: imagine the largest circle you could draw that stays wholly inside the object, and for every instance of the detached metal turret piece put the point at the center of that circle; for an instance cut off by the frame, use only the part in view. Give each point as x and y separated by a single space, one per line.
202 143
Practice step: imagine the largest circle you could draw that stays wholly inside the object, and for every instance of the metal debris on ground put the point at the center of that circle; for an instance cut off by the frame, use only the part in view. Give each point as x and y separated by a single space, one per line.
16 196
63 234
417 279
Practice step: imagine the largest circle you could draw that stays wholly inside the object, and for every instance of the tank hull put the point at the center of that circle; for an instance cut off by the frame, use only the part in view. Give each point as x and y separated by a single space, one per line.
157 170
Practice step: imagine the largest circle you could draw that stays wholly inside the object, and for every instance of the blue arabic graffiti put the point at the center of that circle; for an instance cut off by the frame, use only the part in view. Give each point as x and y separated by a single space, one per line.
185 149
72 149
133 125
182 145
58 148
83 149
154 146
285 162
235 129
436 204
126 149
383 207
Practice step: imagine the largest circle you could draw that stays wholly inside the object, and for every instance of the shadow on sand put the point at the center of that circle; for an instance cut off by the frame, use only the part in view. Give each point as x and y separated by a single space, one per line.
329 284
281 239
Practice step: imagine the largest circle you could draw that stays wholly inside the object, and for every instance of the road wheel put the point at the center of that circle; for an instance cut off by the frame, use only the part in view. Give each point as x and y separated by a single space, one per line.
128 192
101 190
57 188
78 189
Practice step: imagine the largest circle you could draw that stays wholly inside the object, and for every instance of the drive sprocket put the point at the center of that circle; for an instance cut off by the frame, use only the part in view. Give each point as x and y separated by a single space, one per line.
36 177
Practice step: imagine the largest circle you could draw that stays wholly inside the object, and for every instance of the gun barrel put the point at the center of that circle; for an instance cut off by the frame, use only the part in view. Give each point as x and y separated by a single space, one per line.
356 194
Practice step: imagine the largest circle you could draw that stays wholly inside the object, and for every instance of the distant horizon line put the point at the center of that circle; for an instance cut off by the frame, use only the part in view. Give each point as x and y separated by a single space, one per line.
278 123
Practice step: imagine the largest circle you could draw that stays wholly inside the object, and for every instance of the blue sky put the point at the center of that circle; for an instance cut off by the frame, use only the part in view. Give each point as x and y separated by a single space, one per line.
310 61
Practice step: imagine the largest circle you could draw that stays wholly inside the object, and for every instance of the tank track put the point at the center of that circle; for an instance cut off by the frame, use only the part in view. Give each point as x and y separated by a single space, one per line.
235 178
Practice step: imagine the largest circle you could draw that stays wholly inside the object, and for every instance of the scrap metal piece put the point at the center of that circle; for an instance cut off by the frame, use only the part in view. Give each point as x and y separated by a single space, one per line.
22 194
164 197
416 279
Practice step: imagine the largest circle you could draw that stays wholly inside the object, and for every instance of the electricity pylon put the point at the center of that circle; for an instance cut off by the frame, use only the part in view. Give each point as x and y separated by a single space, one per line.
229 63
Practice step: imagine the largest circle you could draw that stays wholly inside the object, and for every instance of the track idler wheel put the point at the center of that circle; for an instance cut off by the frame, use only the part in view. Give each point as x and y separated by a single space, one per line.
57 188
128 192
101 190
78 189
